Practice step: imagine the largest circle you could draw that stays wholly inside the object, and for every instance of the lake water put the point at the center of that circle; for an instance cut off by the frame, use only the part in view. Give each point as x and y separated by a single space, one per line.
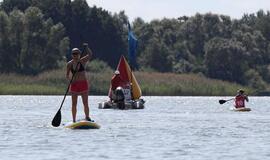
188 128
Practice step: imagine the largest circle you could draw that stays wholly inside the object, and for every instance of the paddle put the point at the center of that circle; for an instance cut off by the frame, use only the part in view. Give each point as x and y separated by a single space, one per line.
57 118
224 101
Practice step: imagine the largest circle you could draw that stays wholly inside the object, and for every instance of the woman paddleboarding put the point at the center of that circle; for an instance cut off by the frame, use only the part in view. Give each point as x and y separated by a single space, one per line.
79 84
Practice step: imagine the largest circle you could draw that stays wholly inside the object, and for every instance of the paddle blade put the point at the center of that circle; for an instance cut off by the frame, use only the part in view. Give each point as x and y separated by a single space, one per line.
57 119
222 101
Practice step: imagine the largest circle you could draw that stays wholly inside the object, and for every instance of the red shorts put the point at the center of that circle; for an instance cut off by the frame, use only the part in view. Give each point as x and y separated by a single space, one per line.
78 87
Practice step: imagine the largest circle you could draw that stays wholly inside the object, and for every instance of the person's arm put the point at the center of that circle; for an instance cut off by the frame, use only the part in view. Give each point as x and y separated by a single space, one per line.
113 83
88 55
246 97
68 70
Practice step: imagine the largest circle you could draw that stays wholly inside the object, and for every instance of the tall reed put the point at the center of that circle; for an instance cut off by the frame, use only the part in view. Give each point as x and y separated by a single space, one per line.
151 83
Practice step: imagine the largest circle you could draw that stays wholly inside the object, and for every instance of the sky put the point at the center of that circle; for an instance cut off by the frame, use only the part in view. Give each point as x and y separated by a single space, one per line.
158 9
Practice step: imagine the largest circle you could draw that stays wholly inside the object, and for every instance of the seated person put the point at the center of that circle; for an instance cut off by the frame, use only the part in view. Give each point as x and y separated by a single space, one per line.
240 99
120 85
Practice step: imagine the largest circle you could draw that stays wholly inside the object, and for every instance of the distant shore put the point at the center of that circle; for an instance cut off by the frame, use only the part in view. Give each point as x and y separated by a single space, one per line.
151 83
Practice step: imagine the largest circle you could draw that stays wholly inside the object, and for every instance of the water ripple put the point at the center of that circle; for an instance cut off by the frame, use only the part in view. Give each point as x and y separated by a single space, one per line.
168 128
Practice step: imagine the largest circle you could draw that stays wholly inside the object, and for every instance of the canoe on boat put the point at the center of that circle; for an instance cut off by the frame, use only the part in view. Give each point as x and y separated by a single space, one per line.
82 124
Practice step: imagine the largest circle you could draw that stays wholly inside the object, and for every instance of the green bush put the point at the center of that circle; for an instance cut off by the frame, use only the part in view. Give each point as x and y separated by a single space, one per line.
254 80
97 66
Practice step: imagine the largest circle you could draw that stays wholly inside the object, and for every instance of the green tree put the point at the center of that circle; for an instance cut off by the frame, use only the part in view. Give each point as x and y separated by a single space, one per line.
15 39
225 59
9 5
156 57
30 44
4 40
253 79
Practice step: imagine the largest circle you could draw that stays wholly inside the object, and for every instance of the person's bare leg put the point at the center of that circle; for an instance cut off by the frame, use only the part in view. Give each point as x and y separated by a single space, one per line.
85 104
74 107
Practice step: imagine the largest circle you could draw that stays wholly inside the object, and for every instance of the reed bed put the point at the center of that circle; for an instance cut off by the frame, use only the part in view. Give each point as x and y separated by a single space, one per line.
151 83
185 85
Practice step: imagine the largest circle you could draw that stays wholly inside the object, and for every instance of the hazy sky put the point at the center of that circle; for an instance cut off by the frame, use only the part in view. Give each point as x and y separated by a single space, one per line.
157 9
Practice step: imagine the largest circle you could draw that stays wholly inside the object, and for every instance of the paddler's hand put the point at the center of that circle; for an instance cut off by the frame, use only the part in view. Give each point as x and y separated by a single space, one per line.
89 51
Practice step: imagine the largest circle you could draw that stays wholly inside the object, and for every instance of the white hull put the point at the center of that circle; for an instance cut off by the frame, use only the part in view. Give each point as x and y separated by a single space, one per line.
137 104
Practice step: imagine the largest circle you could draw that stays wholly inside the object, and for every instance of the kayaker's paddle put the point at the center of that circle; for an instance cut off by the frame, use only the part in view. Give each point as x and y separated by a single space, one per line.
222 101
57 118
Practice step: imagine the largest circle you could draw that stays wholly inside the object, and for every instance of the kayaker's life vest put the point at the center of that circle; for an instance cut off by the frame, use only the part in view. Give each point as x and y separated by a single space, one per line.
240 101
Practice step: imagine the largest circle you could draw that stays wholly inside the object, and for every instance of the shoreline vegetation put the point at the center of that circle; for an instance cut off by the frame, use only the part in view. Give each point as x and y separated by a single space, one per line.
216 52
152 84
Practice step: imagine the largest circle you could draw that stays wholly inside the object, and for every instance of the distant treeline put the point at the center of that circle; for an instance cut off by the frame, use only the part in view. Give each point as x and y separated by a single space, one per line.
36 35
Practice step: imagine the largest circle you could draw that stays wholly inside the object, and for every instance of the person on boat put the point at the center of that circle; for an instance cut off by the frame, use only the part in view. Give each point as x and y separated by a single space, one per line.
240 99
79 84
118 85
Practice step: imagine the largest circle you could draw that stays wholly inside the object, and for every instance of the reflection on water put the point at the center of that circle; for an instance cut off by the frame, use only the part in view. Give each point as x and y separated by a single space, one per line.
168 128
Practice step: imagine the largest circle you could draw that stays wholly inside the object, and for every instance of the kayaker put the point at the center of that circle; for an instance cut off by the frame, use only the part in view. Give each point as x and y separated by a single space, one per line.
79 85
240 99
117 82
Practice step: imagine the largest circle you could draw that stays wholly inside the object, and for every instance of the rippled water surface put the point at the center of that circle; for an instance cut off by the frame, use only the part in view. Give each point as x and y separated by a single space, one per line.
168 128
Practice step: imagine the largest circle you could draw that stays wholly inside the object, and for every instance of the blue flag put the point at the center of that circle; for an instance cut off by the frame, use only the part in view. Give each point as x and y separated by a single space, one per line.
132 47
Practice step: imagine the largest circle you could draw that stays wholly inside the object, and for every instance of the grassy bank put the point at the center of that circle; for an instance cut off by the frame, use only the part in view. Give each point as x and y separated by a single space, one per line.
162 84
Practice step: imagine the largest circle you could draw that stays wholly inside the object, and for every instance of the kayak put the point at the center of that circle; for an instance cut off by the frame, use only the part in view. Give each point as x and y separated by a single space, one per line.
243 109
82 124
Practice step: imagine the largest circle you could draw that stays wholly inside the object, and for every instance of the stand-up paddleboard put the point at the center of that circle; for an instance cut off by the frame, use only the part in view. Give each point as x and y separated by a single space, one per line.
243 109
82 124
